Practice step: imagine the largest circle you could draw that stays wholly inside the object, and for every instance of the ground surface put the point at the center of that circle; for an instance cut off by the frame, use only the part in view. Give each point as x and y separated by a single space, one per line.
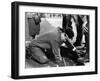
33 64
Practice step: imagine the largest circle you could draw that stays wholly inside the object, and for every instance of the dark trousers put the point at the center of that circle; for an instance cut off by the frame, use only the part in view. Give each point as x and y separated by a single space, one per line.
65 52
79 31
79 36
87 45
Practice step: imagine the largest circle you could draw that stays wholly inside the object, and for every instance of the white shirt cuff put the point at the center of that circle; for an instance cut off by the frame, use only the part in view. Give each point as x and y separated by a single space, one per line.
74 49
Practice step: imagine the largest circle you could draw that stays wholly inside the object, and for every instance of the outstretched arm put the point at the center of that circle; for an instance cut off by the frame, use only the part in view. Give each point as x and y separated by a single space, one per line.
56 49
69 44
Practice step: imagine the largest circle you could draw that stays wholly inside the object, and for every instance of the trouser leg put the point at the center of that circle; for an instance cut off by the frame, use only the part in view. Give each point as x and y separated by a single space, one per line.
39 55
70 54
87 46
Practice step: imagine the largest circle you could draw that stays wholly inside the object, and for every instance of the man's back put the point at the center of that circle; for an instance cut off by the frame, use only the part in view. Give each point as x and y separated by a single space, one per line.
45 40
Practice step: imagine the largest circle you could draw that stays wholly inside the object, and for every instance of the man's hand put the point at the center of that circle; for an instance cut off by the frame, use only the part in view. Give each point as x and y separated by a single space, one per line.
77 51
59 62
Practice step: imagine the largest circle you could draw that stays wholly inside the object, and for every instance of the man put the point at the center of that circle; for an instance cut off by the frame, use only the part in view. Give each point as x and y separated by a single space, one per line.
79 23
49 41
34 24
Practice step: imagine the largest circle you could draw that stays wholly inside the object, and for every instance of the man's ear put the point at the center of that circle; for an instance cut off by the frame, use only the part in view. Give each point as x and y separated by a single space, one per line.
61 29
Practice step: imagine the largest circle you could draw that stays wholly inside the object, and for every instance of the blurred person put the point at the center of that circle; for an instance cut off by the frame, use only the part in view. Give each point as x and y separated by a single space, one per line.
66 21
34 24
79 28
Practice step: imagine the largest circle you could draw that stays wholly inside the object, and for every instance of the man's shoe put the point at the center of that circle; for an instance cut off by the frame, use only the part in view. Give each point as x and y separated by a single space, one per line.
80 64
81 60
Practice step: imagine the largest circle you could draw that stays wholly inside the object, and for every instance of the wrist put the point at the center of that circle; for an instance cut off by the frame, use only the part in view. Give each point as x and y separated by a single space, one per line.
74 49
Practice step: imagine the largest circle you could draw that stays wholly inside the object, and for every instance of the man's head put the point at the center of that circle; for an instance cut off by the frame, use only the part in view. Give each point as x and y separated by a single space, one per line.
69 32
65 34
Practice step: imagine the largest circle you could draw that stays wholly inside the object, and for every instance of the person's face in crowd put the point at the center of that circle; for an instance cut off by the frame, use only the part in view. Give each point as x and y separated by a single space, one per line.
63 37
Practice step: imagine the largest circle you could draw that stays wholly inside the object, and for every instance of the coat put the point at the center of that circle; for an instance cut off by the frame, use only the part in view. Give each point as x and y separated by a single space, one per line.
34 26
50 40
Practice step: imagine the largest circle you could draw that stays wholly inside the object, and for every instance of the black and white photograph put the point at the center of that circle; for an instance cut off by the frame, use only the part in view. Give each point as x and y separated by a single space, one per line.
56 40
51 40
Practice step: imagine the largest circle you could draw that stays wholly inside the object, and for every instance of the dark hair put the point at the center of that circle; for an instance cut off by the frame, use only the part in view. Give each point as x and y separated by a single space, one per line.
67 31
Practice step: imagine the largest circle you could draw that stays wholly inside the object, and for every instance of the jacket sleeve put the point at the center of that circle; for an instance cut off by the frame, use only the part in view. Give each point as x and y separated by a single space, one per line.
69 44
55 49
